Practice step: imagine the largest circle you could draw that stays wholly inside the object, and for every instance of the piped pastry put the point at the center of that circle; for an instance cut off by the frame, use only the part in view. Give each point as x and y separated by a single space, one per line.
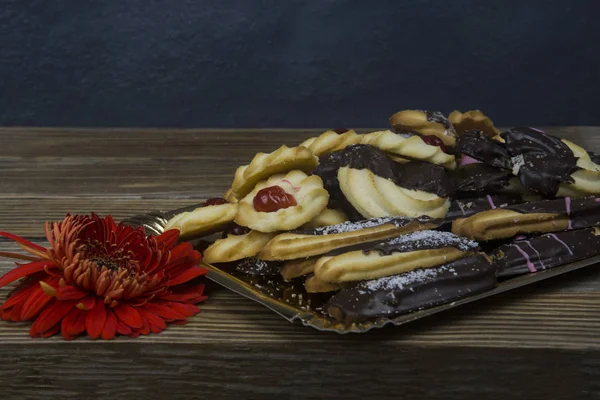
282 202
423 249
410 146
425 123
330 141
237 243
213 216
533 254
415 290
530 218
306 243
472 120
264 165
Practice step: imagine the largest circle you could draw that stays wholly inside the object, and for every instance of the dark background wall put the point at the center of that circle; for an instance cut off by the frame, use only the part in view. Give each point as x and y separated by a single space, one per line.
287 63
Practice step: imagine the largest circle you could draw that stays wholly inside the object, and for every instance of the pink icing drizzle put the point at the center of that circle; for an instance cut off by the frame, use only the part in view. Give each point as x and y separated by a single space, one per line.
553 236
537 130
466 160
530 265
491 201
536 252
568 207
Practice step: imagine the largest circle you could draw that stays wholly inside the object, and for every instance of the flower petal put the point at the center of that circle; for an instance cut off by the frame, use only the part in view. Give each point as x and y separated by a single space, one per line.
69 293
23 241
73 324
87 303
187 296
18 256
186 309
168 238
123 328
153 319
95 320
163 311
34 304
24 270
187 275
110 326
128 315
50 317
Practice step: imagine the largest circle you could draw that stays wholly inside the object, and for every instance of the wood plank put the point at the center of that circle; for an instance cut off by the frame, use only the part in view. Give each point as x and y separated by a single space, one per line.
147 163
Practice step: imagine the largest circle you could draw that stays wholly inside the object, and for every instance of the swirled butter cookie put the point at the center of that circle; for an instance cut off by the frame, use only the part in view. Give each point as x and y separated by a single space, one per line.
263 165
330 141
283 202
409 146
237 243
472 120
425 123
212 217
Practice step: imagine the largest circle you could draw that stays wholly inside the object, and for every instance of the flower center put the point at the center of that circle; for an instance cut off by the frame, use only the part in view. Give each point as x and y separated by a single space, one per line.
106 262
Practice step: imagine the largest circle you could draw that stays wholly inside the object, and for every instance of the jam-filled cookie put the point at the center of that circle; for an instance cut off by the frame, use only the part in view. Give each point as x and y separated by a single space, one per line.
237 243
425 123
332 140
263 165
409 146
529 218
472 120
283 202
415 290
313 242
212 217
423 249
533 254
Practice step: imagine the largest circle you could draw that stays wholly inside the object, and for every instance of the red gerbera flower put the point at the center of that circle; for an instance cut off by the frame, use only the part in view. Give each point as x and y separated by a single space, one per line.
102 278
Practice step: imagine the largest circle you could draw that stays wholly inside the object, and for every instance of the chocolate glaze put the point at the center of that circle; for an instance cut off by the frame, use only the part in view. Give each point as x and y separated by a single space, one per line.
546 160
255 267
479 146
414 175
461 208
438 117
479 179
543 252
366 223
583 212
412 291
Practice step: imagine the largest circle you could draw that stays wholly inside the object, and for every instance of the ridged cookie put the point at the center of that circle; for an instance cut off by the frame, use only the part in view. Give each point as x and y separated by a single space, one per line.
472 120
530 218
296 268
310 197
203 220
330 141
374 196
409 146
424 123
264 165
312 284
236 247
307 243
423 249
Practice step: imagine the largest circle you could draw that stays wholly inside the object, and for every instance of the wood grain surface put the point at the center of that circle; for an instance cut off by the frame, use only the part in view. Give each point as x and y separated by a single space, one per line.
541 341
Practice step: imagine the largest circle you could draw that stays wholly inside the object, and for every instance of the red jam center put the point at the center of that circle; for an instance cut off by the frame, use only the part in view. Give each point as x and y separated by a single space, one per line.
339 131
235 229
215 201
273 198
433 140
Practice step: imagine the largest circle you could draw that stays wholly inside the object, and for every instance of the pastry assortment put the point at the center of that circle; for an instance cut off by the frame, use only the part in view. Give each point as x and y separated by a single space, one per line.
358 227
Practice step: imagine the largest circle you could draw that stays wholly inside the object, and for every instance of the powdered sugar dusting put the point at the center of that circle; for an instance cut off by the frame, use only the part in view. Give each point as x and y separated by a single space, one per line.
428 240
518 162
399 282
365 224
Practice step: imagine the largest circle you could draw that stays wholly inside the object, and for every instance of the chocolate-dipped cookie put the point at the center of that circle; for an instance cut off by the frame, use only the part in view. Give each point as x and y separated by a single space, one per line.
530 218
479 179
412 291
465 207
528 255
423 249
312 242
425 123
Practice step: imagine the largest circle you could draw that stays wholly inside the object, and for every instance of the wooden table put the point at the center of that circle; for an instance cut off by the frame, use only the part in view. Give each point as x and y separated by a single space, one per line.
538 342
